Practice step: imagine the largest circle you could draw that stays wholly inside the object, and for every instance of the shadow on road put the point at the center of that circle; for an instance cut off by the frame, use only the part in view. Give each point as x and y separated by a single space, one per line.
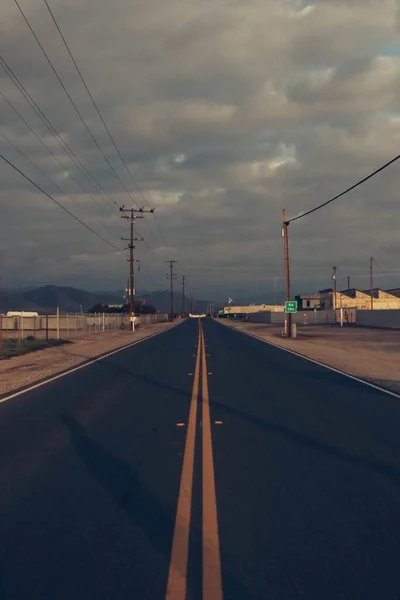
315 444
323 447
185 393
145 511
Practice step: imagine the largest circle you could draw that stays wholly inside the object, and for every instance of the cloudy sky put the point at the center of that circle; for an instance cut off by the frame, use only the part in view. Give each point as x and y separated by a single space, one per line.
226 111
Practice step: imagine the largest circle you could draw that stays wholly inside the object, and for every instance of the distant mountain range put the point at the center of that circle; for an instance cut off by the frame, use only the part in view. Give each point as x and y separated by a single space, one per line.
49 297
70 299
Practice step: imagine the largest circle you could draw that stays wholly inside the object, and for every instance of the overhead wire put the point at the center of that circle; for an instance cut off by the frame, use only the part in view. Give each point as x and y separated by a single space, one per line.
64 168
31 162
309 212
53 131
93 231
10 73
111 137
78 112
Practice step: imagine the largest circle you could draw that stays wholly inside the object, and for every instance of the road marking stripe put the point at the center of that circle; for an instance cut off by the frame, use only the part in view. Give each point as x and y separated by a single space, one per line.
321 364
78 368
177 576
212 581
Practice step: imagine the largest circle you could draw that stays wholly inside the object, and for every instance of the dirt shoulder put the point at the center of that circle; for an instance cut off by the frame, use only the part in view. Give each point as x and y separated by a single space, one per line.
371 354
20 371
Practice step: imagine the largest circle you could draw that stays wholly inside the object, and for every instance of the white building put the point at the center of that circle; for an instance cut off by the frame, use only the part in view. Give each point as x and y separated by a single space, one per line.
22 313
252 308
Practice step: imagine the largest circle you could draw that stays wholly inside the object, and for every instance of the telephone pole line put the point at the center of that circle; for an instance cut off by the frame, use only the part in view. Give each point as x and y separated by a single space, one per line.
171 277
285 226
371 280
131 217
183 295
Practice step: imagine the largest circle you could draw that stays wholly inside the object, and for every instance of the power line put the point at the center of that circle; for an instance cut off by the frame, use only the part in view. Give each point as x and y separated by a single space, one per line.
53 131
81 117
50 151
72 101
93 100
61 206
112 139
309 212
31 162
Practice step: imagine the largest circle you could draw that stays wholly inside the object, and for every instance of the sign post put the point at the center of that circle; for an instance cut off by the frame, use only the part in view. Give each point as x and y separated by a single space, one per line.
290 309
290 306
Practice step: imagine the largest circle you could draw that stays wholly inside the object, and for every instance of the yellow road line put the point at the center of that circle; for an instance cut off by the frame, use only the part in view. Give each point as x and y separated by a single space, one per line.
212 582
177 577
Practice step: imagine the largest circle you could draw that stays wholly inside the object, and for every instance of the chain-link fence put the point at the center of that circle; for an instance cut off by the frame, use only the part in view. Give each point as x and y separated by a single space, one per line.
71 325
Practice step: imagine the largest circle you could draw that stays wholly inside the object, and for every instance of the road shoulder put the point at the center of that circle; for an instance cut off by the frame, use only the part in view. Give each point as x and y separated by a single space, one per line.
23 371
367 354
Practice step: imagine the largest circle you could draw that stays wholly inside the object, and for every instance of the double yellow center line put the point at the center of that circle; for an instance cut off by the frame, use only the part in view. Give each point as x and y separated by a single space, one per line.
177 577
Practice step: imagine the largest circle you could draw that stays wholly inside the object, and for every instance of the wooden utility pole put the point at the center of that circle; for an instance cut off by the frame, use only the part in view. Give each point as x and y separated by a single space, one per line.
171 276
371 280
132 270
131 216
183 295
285 236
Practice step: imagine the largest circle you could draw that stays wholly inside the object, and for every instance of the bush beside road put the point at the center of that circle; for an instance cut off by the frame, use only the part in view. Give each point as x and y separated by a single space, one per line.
15 347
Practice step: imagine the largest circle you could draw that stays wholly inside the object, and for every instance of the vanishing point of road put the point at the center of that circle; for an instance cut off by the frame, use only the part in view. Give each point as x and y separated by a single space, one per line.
200 464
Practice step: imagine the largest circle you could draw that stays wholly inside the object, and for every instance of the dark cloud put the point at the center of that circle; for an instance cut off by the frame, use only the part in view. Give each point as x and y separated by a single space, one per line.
226 112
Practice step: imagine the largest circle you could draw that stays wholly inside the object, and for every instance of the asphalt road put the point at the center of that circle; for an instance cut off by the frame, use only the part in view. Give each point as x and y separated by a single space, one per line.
219 469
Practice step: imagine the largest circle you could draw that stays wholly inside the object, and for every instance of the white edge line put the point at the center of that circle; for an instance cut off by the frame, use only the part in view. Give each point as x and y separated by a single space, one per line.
321 364
79 367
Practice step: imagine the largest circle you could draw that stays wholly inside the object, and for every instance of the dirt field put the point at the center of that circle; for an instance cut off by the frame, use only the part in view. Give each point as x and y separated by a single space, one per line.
20 371
371 354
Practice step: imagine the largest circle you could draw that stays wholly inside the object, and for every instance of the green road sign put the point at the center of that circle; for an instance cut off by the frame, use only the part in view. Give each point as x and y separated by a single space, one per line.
291 306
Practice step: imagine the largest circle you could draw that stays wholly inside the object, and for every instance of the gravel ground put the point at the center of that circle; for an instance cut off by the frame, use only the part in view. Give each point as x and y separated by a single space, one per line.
371 354
20 371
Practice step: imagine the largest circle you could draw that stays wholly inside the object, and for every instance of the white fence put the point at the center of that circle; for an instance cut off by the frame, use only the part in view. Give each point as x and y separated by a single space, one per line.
384 319
317 317
67 326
